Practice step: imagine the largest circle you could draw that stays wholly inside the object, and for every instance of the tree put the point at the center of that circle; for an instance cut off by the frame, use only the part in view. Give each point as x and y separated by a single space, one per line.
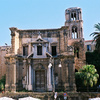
96 36
93 58
88 75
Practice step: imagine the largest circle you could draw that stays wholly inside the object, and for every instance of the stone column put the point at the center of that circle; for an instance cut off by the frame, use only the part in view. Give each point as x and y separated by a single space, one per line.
24 73
7 75
76 15
14 79
71 75
80 15
13 74
29 48
27 79
66 85
49 47
70 16
49 85
29 85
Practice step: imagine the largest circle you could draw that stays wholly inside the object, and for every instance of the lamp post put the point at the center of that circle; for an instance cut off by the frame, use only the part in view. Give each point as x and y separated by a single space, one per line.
6 48
60 73
51 64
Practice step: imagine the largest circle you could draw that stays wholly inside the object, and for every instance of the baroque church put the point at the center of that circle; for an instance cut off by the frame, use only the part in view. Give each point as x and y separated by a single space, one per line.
46 59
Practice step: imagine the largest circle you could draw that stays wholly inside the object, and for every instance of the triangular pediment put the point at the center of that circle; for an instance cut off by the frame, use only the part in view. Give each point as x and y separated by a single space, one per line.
40 39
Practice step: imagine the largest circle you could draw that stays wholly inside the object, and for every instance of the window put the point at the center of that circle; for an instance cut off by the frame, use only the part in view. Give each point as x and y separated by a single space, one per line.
73 16
54 53
76 52
25 50
39 50
49 34
74 32
88 47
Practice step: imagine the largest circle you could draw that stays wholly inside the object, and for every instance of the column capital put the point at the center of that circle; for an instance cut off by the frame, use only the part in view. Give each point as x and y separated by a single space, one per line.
29 61
24 61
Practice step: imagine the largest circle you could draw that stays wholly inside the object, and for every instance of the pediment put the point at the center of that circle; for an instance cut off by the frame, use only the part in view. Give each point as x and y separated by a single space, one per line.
40 39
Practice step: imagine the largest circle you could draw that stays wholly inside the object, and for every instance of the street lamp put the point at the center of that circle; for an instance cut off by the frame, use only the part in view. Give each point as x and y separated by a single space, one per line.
49 66
60 73
60 65
6 48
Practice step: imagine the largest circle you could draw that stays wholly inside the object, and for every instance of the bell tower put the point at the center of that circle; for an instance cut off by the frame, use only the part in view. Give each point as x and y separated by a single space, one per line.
74 20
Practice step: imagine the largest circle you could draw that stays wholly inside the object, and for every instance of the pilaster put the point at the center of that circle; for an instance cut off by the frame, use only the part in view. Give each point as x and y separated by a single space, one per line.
11 75
49 85
29 75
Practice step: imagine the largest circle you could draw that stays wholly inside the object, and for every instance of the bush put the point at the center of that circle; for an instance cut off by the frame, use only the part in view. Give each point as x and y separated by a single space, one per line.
2 83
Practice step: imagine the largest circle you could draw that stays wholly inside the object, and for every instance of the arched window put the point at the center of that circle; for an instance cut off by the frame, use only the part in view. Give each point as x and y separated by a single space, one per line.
73 16
76 52
74 32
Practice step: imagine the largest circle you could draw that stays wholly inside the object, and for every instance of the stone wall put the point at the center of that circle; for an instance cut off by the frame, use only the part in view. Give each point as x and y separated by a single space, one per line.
3 51
50 95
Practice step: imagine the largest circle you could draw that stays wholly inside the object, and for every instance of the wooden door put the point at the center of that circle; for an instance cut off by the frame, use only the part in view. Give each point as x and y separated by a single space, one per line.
40 80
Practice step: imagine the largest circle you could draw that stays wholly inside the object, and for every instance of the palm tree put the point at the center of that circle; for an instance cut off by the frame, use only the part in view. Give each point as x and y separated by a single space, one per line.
88 75
96 36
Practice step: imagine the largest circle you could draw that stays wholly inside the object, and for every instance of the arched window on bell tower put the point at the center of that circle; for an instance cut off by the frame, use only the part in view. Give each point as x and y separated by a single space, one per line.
74 32
73 16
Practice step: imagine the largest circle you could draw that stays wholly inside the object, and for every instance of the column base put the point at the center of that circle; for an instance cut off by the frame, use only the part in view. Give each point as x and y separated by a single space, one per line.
49 87
7 88
13 88
66 87
26 87
29 87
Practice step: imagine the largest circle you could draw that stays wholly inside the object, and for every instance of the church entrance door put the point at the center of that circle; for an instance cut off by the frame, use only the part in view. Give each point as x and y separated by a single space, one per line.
40 80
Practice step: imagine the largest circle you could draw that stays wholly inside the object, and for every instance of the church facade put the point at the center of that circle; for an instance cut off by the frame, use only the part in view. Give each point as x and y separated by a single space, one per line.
46 59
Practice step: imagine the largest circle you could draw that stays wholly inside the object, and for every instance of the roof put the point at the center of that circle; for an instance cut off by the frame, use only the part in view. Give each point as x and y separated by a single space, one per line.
88 40
73 8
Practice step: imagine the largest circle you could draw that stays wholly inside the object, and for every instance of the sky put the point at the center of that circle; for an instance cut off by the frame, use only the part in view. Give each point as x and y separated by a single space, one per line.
44 14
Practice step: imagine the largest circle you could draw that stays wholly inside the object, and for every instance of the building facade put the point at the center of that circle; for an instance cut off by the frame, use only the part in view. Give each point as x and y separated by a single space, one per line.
89 45
46 59
3 51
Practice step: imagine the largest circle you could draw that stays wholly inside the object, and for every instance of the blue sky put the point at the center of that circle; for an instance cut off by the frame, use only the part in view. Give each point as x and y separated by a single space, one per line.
43 14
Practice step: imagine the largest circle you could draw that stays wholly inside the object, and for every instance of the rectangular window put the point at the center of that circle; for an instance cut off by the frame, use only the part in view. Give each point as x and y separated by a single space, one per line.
39 50
88 47
25 50
54 53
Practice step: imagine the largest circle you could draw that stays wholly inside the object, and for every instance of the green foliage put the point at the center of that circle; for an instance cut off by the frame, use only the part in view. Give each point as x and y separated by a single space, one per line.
2 82
2 86
87 75
93 58
96 36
